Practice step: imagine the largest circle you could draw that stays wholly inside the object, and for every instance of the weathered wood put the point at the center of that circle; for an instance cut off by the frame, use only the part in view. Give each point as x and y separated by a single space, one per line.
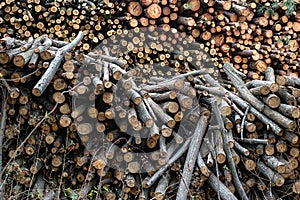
49 74
192 157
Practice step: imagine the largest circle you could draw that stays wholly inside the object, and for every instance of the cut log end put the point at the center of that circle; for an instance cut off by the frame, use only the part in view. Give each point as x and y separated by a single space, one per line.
36 92
4 58
19 61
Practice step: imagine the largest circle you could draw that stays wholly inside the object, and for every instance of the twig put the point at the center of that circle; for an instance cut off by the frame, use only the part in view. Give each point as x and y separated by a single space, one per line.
26 76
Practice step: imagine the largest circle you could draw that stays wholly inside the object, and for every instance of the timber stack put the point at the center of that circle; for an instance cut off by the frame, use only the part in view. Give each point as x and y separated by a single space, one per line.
251 35
236 139
72 115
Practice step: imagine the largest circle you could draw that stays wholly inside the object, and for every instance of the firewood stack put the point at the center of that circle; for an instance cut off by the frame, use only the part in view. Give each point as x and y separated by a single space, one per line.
62 102
240 139
251 35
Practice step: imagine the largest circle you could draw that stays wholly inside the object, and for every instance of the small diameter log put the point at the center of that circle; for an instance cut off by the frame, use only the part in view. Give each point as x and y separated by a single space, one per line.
164 117
9 43
144 115
56 161
225 108
105 77
286 96
252 140
171 107
161 188
134 96
176 85
135 8
289 110
269 149
201 164
21 59
272 100
257 83
296 187
276 178
237 100
269 74
154 11
36 166
249 164
291 137
281 146
191 158
260 90
130 180
159 97
39 185
240 86
239 148
228 152
274 163
219 147
162 147
170 161
41 85
220 188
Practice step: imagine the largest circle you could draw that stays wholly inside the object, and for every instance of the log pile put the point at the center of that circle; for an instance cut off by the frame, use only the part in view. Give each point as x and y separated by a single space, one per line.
251 35
63 105
62 19
239 139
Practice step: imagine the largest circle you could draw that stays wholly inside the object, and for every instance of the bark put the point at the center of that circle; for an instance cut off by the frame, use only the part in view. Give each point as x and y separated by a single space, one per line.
191 158
170 161
42 84
2 132
161 188
276 178
220 188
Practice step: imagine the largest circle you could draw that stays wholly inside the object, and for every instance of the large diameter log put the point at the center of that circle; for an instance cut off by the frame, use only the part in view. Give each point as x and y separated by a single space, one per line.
42 84
191 158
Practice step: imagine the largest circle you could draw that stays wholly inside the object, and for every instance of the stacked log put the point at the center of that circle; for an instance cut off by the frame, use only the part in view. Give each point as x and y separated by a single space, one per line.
251 35
61 20
240 138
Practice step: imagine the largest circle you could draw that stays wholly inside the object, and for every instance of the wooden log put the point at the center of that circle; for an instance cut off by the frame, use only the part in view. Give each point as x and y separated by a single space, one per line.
191 157
165 118
256 83
161 188
40 87
170 161
276 178
218 186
